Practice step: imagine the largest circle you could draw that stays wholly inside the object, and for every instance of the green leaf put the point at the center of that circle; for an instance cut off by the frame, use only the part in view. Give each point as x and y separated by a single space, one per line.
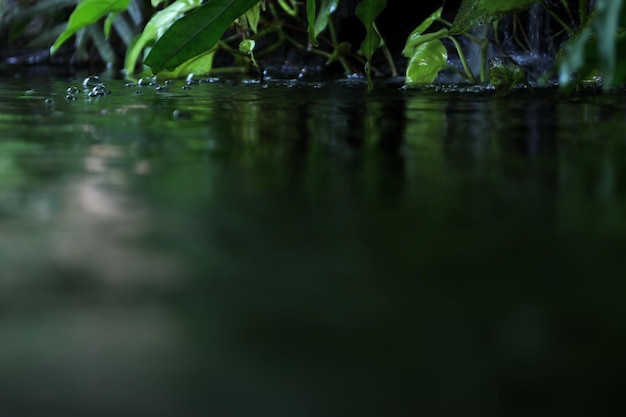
428 59
423 27
108 22
155 28
474 13
367 11
327 7
414 41
599 45
606 28
88 12
195 33
311 9
290 6
252 17
577 54
247 46
201 64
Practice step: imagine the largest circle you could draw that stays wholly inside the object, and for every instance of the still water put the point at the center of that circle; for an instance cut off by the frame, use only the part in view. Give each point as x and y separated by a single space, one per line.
304 248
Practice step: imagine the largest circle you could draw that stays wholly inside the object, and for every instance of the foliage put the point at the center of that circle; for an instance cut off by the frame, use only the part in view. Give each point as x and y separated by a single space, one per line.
182 36
88 12
427 54
195 33
474 13
599 45
155 28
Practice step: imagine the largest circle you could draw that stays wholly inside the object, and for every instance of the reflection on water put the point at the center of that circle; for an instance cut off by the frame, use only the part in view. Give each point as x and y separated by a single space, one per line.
308 249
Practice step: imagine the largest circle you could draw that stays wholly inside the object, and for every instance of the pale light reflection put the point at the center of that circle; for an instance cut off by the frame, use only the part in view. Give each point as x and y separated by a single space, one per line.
98 228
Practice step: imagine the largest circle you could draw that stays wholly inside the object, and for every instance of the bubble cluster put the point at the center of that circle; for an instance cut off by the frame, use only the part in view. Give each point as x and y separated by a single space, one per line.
99 90
72 93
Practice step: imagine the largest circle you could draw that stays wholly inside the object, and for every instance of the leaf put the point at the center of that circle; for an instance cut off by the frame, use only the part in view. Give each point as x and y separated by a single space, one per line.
428 59
600 44
88 12
606 28
576 55
247 46
290 6
155 28
311 9
195 33
367 11
474 13
415 38
201 64
327 7
107 24
252 17
412 44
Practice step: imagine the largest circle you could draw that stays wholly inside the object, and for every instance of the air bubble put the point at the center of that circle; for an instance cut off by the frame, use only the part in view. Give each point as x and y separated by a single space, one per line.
91 81
99 91
146 81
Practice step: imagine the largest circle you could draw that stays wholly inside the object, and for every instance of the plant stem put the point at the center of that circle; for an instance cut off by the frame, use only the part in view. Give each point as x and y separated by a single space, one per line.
392 65
333 38
468 71
484 46
557 18
583 6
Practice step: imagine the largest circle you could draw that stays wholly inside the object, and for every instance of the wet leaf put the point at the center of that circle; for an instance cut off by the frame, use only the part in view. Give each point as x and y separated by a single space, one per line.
474 13
367 11
247 46
415 38
195 33
155 28
598 46
290 6
606 28
311 9
428 59
108 22
252 17
88 12
327 7
201 64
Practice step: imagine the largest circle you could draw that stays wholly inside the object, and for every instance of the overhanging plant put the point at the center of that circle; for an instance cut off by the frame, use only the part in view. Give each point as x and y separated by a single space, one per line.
182 37
597 46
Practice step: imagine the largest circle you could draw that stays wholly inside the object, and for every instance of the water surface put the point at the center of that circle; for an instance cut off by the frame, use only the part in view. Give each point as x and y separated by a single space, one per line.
304 248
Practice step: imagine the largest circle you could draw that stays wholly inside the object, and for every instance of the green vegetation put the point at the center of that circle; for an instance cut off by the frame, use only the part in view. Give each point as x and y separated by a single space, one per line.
182 36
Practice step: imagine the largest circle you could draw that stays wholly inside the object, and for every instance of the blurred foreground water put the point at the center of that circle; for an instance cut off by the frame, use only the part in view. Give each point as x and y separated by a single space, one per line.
305 248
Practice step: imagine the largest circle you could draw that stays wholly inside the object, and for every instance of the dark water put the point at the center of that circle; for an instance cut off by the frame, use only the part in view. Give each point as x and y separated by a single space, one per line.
308 249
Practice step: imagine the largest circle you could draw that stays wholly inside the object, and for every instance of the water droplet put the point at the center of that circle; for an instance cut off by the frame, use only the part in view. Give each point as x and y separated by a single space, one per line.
146 81
91 81
70 97
169 82
99 91
72 90
186 87
162 89
49 101
129 85
190 80
178 114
